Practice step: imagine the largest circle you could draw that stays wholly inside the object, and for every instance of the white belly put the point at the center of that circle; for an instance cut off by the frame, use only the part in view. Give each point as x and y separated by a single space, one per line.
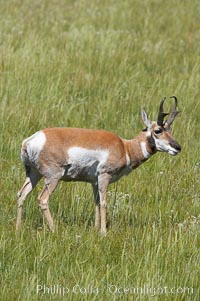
85 164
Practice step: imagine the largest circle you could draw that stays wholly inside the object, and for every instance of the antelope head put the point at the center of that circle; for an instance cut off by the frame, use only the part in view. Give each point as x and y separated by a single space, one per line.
159 132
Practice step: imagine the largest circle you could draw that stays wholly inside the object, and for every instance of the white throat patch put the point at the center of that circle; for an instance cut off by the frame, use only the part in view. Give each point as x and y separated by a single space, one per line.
145 153
128 160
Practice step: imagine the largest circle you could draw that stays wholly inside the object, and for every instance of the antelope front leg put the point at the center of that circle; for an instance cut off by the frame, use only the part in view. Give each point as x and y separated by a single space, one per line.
97 205
103 182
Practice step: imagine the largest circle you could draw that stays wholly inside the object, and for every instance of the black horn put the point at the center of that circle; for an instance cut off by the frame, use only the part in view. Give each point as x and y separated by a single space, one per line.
173 113
161 114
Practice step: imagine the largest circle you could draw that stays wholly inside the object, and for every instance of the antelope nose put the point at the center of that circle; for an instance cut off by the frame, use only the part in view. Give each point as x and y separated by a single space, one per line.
178 147
175 145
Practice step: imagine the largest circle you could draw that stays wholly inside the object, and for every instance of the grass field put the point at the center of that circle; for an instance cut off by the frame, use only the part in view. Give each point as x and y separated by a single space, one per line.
95 64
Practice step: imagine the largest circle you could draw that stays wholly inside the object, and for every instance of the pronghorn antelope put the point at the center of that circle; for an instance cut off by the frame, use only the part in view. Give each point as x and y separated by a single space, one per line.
95 156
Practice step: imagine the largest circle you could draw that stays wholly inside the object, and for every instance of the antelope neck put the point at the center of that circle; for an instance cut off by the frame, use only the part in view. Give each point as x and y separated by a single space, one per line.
140 149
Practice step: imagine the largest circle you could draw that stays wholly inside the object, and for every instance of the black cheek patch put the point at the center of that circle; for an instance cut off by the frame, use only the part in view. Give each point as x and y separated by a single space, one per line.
151 143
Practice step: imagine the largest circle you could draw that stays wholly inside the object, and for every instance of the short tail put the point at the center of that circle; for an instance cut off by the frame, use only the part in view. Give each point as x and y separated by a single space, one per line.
24 156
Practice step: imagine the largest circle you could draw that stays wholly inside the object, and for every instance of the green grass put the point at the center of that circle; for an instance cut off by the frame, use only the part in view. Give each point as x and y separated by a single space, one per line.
95 64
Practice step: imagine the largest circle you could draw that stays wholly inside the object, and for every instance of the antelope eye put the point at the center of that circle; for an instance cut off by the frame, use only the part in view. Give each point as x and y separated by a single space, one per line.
158 131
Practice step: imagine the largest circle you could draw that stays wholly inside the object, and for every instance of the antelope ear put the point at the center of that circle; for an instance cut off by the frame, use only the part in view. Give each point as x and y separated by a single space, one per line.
145 119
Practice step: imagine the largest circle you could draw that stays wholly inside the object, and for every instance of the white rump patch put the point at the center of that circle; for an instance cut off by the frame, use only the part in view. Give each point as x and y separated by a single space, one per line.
34 145
145 153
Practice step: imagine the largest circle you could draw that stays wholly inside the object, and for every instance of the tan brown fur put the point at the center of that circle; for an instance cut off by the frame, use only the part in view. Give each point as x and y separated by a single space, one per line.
61 139
95 156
